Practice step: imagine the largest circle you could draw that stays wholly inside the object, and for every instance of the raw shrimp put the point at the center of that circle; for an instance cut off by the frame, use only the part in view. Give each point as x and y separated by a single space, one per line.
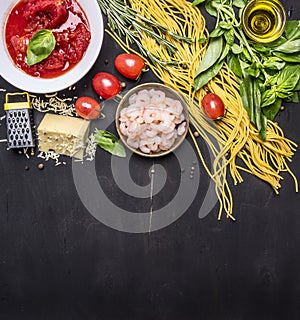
152 122
181 128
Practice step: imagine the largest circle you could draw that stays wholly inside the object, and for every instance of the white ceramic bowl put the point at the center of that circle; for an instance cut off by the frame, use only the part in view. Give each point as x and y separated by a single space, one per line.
23 81
170 93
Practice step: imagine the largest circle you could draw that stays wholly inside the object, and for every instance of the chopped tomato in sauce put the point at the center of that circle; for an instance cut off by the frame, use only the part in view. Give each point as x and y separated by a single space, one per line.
68 23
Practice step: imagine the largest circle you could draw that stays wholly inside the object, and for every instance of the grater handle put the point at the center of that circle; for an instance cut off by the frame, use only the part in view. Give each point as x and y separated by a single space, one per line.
17 105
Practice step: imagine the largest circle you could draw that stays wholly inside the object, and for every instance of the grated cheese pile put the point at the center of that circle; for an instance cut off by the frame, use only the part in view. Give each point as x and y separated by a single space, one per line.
91 148
61 106
51 155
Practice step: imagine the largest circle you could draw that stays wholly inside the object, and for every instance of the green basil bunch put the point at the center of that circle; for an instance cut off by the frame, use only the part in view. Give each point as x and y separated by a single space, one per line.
268 73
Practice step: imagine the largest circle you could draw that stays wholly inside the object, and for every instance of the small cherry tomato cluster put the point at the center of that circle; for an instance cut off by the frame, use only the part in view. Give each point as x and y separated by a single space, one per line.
128 65
107 85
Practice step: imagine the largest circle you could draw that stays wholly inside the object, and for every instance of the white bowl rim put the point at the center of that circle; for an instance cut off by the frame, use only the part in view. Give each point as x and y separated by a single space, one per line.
23 81
162 86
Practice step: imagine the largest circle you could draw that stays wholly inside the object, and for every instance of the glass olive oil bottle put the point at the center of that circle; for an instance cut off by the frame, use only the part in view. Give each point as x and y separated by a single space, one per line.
264 20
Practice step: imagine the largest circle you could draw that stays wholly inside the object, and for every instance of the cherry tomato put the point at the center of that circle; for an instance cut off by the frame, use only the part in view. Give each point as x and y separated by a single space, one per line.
106 85
213 106
87 108
129 65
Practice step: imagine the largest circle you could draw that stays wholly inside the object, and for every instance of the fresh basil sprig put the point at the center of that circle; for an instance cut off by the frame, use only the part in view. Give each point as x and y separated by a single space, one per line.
269 73
109 143
40 46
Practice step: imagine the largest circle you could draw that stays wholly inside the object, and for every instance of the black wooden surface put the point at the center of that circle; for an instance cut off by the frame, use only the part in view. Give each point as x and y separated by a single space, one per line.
58 262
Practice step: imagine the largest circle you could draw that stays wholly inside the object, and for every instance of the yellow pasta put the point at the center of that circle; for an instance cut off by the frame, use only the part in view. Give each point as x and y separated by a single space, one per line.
236 137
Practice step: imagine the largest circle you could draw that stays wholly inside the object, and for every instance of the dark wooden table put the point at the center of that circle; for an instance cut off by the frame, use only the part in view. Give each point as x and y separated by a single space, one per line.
59 261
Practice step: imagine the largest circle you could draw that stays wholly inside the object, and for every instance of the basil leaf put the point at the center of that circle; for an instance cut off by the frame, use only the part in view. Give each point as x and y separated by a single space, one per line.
263 128
239 3
260 118
225 52
246 92
204 77
271 111
253 70
229 36
40 46
297 87
247 55
261 48
292 30
273 63
295 97
268 98
217 32
234 64
211 8
289 46
196 2
288 78
236 49
109 143
202 40
281 40
225 25
292 57
212 54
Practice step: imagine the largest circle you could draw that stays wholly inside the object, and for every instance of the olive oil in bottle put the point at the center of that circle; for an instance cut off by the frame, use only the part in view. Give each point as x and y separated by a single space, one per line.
264 20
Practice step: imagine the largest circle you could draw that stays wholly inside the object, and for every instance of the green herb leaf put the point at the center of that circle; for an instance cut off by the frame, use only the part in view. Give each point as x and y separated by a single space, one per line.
260 118
202 40
204 77
213 52
236 49
263 127
254 70
288 78
225 52
225 25
292 29
294 98
234 64
297 87
196 2
229 36
268 98
239 3
110 143
217 32
247 55
261 48
40 46
289 46
292 57
246 92
271 111
273 63
210 7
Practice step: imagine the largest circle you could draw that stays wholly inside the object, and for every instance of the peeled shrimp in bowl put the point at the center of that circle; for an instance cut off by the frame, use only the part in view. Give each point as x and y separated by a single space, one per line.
152 119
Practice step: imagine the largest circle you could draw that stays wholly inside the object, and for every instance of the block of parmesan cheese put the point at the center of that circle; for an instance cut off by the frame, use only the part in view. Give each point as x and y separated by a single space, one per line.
63 134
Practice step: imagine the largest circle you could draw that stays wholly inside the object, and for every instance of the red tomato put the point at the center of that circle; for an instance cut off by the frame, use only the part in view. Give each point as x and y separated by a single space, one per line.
213 106
106 85
87 108
129 65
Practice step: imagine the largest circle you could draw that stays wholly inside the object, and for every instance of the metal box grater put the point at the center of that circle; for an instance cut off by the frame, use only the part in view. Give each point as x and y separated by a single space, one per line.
19 120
